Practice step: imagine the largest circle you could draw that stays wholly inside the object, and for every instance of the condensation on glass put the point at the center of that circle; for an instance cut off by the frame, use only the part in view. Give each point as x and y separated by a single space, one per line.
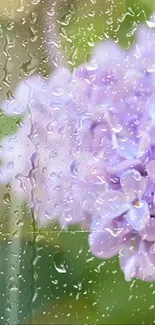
77 172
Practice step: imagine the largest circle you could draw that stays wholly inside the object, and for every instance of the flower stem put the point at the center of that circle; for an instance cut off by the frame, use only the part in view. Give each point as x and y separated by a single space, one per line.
52 37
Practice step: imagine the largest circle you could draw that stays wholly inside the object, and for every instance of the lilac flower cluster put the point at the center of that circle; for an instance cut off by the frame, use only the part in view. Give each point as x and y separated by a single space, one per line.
85 152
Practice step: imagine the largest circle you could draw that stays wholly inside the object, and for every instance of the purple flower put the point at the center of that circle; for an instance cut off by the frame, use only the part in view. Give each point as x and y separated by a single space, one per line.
112 204
48 160
85 152
125 213
137 259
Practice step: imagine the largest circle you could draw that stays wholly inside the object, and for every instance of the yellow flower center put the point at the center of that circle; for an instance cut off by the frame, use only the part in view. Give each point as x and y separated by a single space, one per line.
137 204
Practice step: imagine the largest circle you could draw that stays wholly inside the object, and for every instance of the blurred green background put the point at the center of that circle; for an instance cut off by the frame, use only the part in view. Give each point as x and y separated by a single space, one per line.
48 275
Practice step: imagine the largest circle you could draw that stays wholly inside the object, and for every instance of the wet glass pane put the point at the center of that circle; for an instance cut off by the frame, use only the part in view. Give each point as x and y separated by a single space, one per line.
77 162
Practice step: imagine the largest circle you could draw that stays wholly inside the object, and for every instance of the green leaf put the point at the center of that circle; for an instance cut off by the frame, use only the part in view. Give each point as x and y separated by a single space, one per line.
121 302
86 23
67 311
34 273
8 125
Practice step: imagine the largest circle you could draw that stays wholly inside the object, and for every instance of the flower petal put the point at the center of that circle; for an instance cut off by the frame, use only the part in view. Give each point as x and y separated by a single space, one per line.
127 148
145 266
119 168
127 259
152 253
5 175
144 144
148 233
112 204
150 167
138 216
24 93
13 107
130 268
133 184
135 261
104 242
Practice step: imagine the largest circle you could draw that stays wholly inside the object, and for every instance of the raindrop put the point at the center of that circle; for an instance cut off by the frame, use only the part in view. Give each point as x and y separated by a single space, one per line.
74 168
13 287
69 215
6 198
50 125
151 24
60 266
20 223
10 165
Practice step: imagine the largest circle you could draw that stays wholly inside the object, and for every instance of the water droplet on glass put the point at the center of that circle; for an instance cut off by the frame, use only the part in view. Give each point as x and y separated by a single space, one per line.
6 198
60 266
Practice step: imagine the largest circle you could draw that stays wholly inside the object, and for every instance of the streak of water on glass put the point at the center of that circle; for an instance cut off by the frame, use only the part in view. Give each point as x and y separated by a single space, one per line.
14 262
74 264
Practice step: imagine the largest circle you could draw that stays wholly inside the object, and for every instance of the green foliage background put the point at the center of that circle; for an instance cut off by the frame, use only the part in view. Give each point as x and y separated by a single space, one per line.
48 275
